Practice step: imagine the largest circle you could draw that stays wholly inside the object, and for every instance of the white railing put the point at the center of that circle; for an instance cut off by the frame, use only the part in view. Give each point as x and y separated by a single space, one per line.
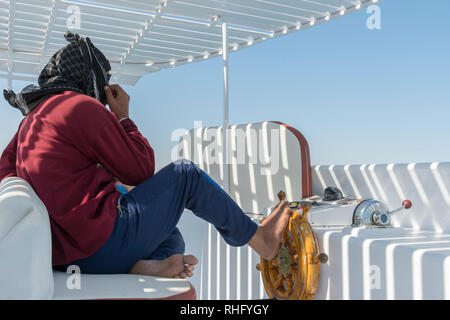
427 185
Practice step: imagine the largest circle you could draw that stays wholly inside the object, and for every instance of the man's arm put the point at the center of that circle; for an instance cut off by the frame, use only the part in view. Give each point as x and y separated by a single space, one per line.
125 153
118 146
8 159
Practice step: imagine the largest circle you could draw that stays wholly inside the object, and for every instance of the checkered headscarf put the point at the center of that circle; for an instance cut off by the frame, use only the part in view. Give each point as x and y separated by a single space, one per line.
78 67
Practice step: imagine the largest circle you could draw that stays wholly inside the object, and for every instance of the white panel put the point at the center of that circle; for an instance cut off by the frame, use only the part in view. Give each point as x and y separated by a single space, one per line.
262 165
424 184
383 263
229 273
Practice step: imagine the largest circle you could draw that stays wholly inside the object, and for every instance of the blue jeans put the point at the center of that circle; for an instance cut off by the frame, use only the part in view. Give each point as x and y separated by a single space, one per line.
146 221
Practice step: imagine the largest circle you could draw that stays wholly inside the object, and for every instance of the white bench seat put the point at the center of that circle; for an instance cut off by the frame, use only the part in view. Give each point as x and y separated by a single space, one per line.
121 286
26 253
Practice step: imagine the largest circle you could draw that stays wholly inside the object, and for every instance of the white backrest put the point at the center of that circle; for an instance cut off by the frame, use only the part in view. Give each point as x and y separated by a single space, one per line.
203 147
427 185
263 158
266 157
25 243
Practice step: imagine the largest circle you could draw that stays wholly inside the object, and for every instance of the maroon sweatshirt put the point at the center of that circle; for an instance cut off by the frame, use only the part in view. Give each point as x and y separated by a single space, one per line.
70 149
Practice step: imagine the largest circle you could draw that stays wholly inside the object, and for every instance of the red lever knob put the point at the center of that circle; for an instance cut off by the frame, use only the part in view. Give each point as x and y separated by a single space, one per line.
407 204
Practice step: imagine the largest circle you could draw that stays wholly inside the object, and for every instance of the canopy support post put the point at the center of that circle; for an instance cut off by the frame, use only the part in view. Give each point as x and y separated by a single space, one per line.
225 137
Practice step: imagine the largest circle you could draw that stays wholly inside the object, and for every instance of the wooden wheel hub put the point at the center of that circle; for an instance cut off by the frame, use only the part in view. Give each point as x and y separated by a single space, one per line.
294 272
284 260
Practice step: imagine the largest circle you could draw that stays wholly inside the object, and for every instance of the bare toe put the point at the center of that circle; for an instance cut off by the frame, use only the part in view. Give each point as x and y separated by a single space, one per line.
189 268
190 259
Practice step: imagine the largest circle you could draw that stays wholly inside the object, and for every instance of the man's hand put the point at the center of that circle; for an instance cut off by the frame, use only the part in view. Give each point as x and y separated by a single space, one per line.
129 188
118 100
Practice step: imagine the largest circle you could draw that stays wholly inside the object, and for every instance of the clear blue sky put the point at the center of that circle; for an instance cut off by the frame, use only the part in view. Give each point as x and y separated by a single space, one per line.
358 96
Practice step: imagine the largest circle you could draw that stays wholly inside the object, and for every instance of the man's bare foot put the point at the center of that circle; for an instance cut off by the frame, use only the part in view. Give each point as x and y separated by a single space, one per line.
269 234
175 266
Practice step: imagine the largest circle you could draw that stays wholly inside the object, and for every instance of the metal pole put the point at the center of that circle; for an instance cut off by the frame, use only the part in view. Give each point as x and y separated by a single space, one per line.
224 154
225 137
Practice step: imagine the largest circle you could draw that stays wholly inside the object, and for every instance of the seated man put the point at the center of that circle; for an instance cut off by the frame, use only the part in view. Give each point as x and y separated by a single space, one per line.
72 150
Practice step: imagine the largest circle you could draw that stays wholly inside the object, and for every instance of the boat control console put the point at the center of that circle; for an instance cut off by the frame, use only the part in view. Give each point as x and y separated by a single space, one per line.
294 272
352 212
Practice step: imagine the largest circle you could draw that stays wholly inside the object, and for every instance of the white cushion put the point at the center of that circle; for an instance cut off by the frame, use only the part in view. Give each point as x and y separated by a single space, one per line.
119 286
25 243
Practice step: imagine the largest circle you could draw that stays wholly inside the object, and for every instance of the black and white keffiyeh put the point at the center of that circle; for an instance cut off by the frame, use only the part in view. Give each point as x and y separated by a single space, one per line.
79 67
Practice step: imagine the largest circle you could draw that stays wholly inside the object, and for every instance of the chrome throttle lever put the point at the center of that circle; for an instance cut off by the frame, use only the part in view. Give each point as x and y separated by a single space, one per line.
406 204
384 218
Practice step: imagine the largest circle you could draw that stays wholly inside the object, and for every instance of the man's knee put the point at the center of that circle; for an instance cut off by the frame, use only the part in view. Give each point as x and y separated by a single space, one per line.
183 161
184 166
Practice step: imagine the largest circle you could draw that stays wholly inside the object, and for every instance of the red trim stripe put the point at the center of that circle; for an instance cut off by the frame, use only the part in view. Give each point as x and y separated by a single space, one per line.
306 164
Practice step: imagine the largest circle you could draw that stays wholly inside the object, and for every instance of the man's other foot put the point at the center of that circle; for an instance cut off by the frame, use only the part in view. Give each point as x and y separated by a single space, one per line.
175 266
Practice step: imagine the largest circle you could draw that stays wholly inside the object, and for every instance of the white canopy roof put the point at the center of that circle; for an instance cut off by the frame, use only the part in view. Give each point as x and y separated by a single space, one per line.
143 36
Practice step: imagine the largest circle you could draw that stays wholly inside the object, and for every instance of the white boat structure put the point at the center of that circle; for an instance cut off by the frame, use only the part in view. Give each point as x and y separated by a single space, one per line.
389 255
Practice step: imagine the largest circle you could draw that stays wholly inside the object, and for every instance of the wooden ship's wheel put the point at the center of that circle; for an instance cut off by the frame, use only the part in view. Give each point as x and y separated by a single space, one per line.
294 272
